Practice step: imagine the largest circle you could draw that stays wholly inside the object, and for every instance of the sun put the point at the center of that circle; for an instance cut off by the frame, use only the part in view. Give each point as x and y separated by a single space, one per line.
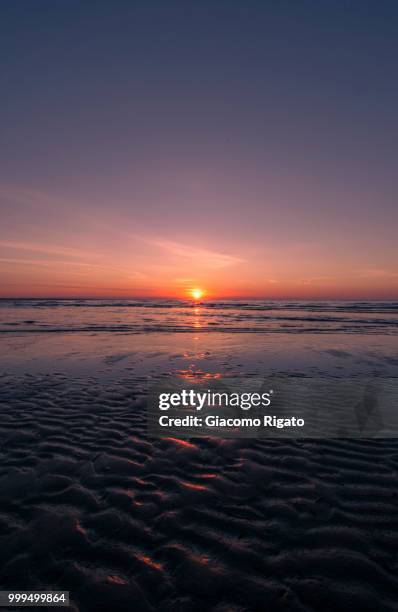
197 293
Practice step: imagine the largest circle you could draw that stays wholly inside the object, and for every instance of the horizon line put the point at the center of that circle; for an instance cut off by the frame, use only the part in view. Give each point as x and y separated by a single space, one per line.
187 299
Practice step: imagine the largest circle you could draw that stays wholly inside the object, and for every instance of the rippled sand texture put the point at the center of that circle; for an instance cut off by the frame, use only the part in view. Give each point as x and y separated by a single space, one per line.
91 505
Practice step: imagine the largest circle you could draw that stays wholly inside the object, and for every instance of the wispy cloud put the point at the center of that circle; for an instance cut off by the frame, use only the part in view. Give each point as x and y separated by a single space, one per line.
379 273
75 258
52 262
48 249
316 279
204 257
22 195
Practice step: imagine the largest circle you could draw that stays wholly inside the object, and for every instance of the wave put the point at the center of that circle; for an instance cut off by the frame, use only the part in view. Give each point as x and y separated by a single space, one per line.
323 306
137 316
131 329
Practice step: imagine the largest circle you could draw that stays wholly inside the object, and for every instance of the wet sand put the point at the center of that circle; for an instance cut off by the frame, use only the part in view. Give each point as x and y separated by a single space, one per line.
91 504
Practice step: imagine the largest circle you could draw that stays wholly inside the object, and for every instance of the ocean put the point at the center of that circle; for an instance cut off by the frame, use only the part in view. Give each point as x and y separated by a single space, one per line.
137 316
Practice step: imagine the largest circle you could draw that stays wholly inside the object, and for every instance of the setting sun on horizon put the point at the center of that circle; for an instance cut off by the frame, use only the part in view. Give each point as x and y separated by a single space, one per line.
197 293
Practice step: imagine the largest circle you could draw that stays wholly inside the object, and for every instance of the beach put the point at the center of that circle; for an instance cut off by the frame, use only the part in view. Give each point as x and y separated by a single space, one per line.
93 505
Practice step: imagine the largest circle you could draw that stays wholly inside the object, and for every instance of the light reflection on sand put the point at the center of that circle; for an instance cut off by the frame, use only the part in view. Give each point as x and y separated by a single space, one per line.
208 356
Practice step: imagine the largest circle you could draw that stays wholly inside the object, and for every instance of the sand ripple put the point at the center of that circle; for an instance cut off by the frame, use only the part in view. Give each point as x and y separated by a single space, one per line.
91 505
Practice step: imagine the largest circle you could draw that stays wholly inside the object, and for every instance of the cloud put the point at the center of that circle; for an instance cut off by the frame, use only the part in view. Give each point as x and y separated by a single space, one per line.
378 273
21 195
35 247
54 262
89 262
203 257
317 279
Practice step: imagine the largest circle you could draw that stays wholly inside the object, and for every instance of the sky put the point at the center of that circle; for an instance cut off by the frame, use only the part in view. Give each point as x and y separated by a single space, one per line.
248 148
